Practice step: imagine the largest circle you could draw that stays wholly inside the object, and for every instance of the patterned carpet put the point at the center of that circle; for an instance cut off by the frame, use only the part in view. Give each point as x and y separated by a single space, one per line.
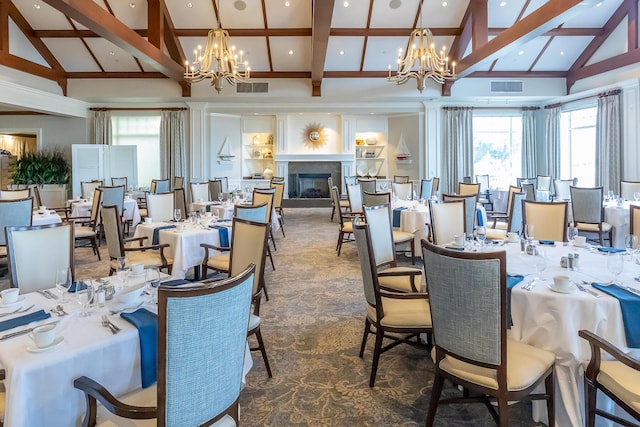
312 327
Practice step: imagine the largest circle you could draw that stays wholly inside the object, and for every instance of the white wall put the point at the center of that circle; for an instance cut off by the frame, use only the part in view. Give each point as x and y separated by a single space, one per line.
221 127
411 129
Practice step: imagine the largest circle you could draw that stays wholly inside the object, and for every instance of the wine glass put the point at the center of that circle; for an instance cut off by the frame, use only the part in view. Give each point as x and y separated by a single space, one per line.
540 263
631 244
220 196
63 282
529 231
615 265
152 278
84 295
610 195
177 215
481 235
122 271
572 232
636 195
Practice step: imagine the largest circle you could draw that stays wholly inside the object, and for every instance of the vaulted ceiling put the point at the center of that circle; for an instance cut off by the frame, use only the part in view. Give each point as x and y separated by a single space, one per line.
322 39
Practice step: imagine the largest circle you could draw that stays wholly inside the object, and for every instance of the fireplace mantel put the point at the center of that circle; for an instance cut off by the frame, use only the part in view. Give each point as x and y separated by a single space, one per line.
314 157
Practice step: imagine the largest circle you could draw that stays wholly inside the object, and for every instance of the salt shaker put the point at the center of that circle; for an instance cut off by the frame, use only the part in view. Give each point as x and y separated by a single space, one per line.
100 295
576 261
570 261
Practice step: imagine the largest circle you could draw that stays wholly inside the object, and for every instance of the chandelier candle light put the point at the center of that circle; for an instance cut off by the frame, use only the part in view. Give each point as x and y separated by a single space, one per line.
217 62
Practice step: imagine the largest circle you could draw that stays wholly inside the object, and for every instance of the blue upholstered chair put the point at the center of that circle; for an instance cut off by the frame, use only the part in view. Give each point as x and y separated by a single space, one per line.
468 300
588 214
199 373
426 189
514 220
159 186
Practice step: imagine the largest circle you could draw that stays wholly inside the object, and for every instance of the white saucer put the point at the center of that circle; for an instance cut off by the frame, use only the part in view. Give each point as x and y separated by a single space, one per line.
580 246
136 275
453 245
32 348
568 291
18 301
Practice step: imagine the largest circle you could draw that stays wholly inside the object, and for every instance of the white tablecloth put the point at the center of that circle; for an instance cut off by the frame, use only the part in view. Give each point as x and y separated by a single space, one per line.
131 211
39 386
39 219
225 211
184 247
617 216
551 320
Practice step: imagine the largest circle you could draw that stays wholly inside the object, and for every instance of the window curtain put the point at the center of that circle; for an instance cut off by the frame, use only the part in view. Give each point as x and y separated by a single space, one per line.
101 127
17 145
552 133
172 144
457 150
529 157
608 141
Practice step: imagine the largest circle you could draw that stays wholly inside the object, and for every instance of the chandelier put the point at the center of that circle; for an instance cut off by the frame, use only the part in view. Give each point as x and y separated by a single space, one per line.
217 62
421 61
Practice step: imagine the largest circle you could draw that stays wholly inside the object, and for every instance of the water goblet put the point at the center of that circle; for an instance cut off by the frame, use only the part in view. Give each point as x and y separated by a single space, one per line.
530 231
152 278
540 263
572 232
631 244
220 196
610 195
481 235
615 265
177 215
636 195
63 282
84 295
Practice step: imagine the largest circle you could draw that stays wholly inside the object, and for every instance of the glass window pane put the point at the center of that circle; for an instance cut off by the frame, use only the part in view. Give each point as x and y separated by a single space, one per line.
143 132
497 148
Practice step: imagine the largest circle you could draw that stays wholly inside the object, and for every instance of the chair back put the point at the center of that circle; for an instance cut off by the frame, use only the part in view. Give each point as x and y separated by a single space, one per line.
466 179
115 182
200 373
37 197
436 185
350 180
88 187
515 221
470 216
628 189
264 195
215 188
376 199
277 199
550 219
178 182
426 189
277 179
401 179
36 253
483 181
200 191
112 196
403 191
586 204
14 213
378 217
96 204
368 184
160 206
159 186
634 220
180 201
335 198
354 194
225 183
561 187
465 189
256 213
467 296
113 232
520 181
249 246
512 191
14 194
543 183
447 220
368 266
529 190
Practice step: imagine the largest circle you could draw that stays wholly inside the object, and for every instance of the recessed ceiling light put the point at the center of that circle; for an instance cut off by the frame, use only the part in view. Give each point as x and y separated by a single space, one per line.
395 4
503 3
36 5
239 5
598 4
445 4
290 52
112 53
287 4
132 5
521 52
345 4
189 5
341 52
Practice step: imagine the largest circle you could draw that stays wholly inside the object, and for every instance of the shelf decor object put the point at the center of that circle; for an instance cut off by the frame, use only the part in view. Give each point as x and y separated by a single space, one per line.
403 155
225 155
313 136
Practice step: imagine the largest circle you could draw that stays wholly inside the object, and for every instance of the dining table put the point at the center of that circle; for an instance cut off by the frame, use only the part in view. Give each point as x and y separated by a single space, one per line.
82 208
39 382
548 318
45 218
225 210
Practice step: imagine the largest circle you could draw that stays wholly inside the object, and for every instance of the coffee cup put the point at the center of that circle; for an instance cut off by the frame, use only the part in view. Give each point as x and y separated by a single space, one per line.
562 283
208 214
148 220
180 226
9 296
459 240
45 213
580 241
137 269
42 209
43 335
512 237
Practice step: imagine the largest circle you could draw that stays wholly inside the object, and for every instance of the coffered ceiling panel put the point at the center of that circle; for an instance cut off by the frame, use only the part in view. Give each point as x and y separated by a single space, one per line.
353 16
296 15
41 16
522 59
241 14
383 15
344 53
72 54
110 56
199 15
132 17
561 53
291 53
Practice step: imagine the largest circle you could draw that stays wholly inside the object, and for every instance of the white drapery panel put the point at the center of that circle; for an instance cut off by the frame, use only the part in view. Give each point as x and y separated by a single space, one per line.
608 141
529 157
457 149
18 145
101 127
172 144
552 133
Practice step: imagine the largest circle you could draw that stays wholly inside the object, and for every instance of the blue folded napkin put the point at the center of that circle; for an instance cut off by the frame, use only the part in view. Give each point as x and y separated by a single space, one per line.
480 218
223 232
78 285
147 324
156 233
23 320
512 281
630 307
610 250
175 282
547 242
396 216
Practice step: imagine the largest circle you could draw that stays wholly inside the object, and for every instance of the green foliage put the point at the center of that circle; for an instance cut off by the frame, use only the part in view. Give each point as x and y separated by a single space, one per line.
44 167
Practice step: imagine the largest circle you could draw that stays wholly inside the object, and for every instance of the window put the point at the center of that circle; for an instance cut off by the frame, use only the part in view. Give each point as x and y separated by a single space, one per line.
578 145
497 148
144 132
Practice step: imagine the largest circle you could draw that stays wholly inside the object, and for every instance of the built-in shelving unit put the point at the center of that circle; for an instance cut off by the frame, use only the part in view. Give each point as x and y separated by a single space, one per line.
371 151
258 148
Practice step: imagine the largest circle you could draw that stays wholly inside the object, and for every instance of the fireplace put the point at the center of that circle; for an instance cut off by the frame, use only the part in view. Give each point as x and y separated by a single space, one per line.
309 180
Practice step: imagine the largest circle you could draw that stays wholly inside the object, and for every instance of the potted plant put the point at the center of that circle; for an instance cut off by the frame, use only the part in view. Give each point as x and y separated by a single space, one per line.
47 169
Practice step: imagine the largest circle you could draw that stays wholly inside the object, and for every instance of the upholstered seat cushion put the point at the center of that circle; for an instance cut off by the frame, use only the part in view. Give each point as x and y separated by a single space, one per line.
401 283
82 231
142 397
593 227
147 258
3 396
344 204
219 261
525 365
622 381
3 251
143 212
501 225
405 313
402 236
254 322
347 227
496 234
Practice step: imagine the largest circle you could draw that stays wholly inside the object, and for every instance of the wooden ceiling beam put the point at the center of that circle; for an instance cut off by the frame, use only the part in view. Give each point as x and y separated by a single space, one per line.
4 25
518 74
632 24
268 42
479 23
173 46
543 19
27 66
155 23
321 24
101 22
609 64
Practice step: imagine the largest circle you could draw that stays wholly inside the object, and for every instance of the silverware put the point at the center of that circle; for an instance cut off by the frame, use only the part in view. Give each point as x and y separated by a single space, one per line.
18 311
529 286
24 331
583 288
44 294
60 308
107 324
51 294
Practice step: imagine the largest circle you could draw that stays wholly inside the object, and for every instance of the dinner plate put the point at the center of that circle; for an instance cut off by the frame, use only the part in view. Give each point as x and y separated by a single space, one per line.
32 348
568 291
16 302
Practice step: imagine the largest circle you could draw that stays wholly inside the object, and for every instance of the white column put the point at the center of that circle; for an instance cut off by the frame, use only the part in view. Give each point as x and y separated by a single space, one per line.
197 149
630 131
432 139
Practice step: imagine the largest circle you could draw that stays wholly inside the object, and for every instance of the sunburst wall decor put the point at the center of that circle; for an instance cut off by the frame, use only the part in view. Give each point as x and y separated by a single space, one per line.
313 136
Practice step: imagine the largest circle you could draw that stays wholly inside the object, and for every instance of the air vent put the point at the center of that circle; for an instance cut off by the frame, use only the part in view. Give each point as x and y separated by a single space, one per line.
259 87
507 86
